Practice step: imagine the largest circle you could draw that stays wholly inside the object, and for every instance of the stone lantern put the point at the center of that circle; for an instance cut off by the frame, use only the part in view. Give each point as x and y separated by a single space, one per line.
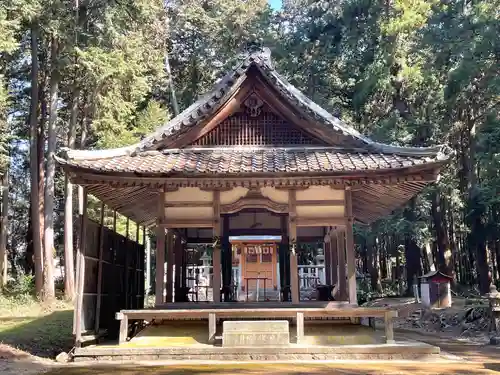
494 297
320 257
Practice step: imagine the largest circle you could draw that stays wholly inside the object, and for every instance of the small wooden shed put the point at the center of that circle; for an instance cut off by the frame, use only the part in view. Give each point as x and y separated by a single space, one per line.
435 289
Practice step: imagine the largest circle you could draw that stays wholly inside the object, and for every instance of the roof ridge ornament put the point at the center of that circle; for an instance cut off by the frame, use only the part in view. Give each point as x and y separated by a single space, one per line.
254 49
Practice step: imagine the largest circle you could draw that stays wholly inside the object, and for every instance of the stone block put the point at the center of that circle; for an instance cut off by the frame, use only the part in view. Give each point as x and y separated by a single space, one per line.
255 333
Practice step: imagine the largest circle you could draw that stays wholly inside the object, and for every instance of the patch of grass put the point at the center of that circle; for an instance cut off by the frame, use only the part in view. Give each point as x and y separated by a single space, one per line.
39 329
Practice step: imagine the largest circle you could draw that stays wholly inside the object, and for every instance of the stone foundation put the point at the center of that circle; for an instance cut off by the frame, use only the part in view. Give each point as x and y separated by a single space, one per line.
398 351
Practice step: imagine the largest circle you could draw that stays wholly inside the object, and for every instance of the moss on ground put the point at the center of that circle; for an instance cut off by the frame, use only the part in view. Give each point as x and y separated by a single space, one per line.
38 329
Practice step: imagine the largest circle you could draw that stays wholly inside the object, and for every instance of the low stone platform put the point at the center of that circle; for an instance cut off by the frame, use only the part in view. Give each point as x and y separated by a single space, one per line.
398 351
241 333
188 341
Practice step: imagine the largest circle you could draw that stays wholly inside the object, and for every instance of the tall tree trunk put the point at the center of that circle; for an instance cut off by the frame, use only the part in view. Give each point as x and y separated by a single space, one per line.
35 198
69 265
445 259
49 291
173 95
412 251
69 268
476 209
175 103
42 98
412 254
398 270
497 257
493 259
372 268
4 214
85 121
429 259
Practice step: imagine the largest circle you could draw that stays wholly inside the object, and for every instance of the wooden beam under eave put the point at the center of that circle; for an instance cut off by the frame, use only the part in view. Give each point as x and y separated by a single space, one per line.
187 223
324 202
319 221
374 203
356 178
189 204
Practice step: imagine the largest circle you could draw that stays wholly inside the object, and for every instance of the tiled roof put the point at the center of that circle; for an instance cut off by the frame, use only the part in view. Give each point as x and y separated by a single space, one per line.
205 107
237 160
208 104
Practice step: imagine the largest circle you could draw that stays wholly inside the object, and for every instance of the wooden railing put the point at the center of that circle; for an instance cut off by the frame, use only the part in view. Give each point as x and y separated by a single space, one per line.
201 277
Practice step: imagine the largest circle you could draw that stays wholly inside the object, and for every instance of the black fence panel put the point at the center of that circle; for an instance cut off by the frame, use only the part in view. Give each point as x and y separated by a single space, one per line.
121 284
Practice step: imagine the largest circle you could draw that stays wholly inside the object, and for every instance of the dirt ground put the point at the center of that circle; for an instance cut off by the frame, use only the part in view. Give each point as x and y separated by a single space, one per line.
474 359
17 362
462 355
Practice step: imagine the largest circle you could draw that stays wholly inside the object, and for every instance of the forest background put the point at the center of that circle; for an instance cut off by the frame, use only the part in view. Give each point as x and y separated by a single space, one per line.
103 73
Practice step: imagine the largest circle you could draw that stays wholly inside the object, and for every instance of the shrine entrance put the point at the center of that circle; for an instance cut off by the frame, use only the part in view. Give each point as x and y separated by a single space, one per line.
258 271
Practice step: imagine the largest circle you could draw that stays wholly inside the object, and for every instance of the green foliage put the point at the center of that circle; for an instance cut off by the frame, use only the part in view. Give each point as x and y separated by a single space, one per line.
145 122
21 287
409 73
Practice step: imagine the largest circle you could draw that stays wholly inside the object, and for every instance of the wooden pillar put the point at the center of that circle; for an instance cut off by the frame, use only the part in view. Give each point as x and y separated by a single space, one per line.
80 275
160 251
184 262
328 259
212 327
227 256
284 261
114 273
216 254
160 264
97 320
137 285
350 251
342 295
147 249
334 258
178 267
170 249
300 327
126 272
292 235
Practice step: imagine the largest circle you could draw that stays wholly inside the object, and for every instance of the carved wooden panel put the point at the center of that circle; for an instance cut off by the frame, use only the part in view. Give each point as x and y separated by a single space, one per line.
251 129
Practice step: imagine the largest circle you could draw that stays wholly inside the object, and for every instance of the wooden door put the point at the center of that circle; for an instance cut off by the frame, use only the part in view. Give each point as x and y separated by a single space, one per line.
261 265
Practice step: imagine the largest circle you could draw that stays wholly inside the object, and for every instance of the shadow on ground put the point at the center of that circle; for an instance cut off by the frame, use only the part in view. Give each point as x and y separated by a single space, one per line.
471 352
43 336
386 368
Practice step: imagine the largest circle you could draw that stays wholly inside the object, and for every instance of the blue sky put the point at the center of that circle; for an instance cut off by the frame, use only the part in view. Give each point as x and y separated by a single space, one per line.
275 4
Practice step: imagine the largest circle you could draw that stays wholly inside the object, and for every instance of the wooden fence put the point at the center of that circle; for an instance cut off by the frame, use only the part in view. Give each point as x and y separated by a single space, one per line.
113 279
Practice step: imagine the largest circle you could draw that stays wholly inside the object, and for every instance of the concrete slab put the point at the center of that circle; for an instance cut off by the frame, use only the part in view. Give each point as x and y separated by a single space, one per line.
398 351
269 333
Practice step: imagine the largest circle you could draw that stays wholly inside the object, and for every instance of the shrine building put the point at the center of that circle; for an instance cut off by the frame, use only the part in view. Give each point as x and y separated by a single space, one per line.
252 169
